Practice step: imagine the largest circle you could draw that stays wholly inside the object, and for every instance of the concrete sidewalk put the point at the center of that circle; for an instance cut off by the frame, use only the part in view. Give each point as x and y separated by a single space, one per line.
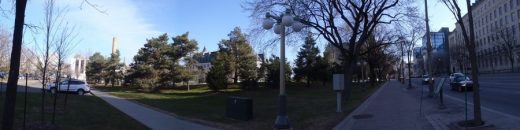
393 107
153 119
389 108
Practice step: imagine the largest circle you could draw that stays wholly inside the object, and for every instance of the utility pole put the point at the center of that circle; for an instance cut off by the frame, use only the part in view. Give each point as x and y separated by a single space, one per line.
429 49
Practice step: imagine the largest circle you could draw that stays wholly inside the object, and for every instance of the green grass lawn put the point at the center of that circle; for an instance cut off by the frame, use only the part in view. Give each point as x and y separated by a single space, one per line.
308 108
82 113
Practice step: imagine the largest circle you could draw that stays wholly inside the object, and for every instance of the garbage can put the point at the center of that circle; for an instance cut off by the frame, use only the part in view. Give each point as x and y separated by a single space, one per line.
240 108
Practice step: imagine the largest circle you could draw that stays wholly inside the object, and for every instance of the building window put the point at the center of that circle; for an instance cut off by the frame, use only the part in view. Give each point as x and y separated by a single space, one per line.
513 17
513 29
511 4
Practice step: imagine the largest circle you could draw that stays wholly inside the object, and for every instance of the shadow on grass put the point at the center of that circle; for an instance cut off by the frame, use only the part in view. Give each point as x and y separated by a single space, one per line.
82 112
308 107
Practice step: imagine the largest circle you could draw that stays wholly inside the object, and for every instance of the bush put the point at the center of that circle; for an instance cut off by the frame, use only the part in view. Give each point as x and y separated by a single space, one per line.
249 84
216 77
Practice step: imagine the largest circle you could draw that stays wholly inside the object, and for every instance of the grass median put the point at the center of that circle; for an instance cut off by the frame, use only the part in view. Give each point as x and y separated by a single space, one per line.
308 107
81 113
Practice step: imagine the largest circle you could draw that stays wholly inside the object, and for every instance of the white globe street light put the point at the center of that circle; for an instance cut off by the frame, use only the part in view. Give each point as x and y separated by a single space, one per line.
282 21
268 23
279 28
287 20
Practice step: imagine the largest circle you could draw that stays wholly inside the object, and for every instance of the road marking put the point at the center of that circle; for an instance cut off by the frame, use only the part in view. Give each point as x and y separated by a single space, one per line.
484 108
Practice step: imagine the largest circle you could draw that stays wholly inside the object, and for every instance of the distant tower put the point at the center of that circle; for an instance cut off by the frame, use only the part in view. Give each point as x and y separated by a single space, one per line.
114 45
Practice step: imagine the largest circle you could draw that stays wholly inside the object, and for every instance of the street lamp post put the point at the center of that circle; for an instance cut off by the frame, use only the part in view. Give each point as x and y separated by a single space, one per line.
282 21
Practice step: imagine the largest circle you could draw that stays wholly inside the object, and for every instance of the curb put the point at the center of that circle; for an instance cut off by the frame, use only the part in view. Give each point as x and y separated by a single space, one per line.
347 122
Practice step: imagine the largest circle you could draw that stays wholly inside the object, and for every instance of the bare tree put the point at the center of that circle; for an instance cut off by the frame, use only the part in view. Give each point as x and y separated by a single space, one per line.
5 49
64 44
411 29
44 55
377 58
12 83
469 42
345 24
507 44
459 54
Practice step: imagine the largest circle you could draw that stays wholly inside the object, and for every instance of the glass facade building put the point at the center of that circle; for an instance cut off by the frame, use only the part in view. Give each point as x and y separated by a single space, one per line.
440 52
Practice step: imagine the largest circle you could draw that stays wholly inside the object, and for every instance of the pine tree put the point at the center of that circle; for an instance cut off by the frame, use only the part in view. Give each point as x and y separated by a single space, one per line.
114 69
94 69
273 72
157 63
149 62
306 61
239 56
216 77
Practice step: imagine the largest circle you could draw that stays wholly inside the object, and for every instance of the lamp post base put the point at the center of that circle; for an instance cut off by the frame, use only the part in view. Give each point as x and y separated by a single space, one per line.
282 120
282 123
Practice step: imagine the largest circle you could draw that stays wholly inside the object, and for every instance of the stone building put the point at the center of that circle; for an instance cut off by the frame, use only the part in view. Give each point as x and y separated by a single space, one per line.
78 67
496 23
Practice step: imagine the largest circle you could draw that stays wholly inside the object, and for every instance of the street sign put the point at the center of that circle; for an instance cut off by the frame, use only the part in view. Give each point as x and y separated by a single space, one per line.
338 82
438 88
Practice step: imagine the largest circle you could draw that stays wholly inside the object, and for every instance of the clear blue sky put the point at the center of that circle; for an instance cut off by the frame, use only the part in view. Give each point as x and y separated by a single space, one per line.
133 21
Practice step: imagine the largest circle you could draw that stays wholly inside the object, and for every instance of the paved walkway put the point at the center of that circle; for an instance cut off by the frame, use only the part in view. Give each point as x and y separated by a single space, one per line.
387 109
151 118
393 107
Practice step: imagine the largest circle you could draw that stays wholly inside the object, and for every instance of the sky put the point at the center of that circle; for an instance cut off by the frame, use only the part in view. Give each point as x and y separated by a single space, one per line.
134 21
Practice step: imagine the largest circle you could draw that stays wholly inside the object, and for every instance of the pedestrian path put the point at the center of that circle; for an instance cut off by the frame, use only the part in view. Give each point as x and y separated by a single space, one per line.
387 109
153 119
393 107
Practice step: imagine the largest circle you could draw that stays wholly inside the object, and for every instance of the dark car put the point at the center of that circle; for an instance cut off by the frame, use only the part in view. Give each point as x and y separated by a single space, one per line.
426 79
461 83
3 75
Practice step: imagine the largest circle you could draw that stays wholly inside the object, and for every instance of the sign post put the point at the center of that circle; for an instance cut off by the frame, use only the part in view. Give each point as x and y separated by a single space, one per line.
439 90
338 83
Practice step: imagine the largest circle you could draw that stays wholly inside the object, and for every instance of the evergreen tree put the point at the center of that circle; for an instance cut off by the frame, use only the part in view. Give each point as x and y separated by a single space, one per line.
95 66
216 77
273 72
306 61
157 63
190 70
181 47
114 68
239 56
149 62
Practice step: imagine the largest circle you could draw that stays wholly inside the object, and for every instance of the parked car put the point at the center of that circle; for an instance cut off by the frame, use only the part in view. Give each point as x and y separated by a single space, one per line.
2 75
452 76
461 83
426 79
76 86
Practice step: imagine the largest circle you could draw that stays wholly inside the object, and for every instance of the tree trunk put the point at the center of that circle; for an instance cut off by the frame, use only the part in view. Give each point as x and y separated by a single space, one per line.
12 81
67 94
308 79
235 79
512 60
347 77
372 75
474 67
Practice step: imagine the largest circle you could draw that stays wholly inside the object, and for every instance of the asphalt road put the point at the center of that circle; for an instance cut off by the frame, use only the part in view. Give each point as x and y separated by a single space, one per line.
499 92
33 86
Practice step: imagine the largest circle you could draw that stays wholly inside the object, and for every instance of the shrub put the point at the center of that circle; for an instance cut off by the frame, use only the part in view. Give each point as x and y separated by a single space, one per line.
216 77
